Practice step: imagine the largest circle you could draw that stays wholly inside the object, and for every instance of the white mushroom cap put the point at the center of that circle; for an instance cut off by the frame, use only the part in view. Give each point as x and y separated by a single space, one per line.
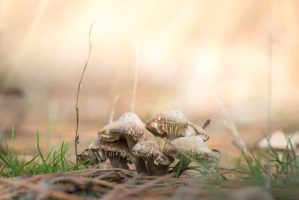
193 146
128 125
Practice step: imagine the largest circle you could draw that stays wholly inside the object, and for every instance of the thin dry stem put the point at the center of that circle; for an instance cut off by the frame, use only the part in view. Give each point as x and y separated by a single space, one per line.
137 65
269 99
78 93
111 117
229 123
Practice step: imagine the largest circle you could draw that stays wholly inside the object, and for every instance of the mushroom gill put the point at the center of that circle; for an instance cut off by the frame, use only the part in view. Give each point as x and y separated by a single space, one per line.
117 152
173 124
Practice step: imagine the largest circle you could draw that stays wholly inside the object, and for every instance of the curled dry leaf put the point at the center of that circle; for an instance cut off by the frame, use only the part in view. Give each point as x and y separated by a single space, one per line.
173 124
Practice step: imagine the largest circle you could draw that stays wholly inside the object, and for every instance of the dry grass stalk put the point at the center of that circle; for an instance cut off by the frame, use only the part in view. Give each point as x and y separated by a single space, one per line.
269 98
78 93
229 123
112 111
137 66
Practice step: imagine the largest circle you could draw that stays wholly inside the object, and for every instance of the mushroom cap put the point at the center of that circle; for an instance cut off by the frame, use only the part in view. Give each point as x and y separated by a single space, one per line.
172 124
150 150
95 144
103 150
128 125
106 135
193 146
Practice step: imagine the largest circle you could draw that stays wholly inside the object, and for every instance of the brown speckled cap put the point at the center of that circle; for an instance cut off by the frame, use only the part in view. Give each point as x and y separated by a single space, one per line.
172 124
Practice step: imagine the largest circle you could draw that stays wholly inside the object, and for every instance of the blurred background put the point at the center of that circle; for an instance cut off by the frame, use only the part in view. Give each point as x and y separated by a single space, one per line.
194 55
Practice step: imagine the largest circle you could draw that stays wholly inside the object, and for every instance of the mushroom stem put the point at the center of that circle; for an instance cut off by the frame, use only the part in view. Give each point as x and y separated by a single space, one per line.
119 163
141 166
123 164
114 162
159 170
140 163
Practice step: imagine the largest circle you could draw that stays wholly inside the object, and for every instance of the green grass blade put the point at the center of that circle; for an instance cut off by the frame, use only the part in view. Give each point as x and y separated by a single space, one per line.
38 147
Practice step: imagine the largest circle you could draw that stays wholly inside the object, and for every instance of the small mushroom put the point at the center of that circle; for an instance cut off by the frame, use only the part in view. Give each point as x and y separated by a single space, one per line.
173 124
117 152
193 146
130 128
157 162
141 142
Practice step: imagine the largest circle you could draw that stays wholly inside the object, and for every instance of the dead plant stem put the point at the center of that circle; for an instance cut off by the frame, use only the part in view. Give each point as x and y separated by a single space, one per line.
78 92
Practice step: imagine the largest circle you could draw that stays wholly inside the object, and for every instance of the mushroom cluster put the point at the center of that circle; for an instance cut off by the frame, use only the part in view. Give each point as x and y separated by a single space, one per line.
129 140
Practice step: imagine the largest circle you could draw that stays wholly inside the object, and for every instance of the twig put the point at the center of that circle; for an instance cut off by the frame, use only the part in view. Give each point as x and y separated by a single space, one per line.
78 93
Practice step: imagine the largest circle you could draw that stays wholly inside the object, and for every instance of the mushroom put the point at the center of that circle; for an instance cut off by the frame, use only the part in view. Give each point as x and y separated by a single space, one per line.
188 148
117 152
130 128
193 146
158 163
127 126
173 124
